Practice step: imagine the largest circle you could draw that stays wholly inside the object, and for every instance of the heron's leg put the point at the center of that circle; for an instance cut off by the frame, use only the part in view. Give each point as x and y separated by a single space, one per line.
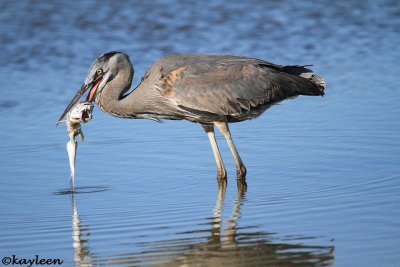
224 129
218 159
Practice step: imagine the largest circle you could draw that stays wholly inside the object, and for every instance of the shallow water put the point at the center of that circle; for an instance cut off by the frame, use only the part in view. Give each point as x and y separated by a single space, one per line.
323 173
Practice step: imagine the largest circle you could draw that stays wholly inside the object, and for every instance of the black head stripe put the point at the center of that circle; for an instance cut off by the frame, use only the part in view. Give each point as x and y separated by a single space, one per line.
105 57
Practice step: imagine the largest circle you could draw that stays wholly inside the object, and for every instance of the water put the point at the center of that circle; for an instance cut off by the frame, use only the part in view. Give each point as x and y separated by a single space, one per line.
323 173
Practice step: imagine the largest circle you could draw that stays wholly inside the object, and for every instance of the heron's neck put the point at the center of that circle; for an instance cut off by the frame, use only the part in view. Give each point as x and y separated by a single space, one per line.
114 101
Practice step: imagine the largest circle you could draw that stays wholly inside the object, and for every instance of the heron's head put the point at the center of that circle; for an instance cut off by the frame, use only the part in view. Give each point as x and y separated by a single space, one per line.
103 70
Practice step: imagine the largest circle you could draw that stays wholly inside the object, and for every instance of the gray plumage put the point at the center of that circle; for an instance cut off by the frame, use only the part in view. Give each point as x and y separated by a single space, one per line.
209 89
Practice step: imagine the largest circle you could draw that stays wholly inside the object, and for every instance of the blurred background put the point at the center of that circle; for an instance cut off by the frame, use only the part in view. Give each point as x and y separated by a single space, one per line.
323 173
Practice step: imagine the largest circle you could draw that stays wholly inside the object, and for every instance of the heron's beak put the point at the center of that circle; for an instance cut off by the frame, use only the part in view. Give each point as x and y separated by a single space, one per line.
74 100
93 84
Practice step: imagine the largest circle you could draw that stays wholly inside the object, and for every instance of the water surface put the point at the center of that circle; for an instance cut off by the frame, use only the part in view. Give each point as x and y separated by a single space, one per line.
323 173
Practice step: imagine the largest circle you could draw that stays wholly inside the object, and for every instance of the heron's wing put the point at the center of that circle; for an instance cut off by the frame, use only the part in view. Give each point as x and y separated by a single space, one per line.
230 89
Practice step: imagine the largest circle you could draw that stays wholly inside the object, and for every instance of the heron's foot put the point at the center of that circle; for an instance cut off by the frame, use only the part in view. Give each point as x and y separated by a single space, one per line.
241 172
221 174
241 178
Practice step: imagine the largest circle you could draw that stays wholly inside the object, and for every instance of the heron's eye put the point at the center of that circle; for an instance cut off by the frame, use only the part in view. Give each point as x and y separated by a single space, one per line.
99 71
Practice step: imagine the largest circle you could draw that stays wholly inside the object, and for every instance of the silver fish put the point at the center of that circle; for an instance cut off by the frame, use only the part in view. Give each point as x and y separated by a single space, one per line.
81 113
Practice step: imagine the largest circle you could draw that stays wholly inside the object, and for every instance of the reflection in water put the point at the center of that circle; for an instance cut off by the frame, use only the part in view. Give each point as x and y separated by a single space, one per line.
81 190
234 246
218 238
321 156
222 243
80 238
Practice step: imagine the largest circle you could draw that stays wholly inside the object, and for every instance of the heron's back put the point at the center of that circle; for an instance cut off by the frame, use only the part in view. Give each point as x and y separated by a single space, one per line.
211 87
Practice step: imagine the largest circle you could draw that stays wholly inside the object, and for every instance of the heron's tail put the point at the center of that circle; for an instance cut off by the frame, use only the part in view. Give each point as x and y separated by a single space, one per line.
302 71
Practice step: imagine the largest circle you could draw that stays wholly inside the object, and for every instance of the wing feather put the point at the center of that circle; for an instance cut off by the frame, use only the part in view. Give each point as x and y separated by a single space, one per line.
227 85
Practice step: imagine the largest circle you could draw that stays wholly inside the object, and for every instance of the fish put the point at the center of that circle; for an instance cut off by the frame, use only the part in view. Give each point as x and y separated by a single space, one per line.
80 113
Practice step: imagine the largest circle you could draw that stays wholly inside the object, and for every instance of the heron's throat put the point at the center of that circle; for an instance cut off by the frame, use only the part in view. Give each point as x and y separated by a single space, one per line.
92 93
112 98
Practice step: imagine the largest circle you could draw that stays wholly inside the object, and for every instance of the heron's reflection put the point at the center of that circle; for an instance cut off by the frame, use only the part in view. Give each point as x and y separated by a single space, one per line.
219 235
80 238
222 242
228 244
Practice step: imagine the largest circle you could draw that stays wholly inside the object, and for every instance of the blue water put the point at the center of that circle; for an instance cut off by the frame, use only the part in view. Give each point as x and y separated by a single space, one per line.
323 173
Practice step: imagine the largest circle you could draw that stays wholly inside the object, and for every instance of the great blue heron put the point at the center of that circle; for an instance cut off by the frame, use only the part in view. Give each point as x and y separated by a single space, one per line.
209 89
